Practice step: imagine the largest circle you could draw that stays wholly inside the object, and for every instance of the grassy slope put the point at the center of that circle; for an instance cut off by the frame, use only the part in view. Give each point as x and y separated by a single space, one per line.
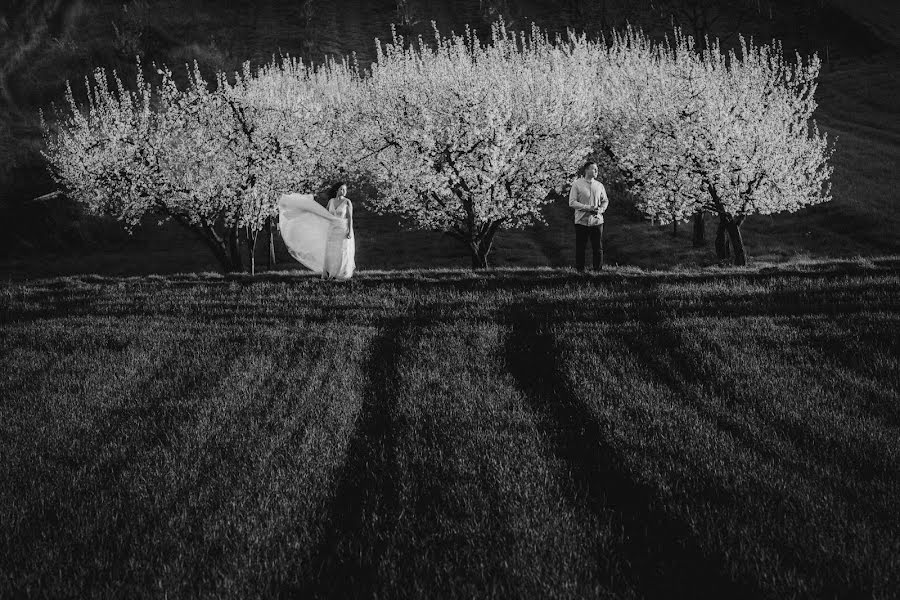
883 18
857 93
528 433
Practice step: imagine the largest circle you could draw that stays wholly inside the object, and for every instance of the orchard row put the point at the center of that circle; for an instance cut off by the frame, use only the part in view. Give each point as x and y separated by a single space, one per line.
455 134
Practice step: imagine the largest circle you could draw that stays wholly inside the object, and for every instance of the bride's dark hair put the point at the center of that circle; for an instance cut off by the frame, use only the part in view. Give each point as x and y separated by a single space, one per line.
333 190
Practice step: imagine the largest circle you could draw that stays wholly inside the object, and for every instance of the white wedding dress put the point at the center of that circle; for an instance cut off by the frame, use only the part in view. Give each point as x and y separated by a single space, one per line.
316 236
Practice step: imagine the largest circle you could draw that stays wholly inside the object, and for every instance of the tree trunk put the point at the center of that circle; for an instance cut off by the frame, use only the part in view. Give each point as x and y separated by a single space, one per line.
218 250
699 229
250 240
213 241
723 250
480 245
271 243
674 228
737 241
234 250
479 259
216 246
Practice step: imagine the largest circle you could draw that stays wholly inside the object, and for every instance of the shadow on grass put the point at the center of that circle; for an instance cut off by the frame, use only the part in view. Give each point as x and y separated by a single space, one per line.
506 278
95 515
624 299
662 557
512 278
853 350
662 350
366 505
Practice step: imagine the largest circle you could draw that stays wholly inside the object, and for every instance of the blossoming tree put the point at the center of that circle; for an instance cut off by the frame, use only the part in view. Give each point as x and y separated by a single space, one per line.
727 133
215 160
293 127
470 138
757 150
647 91
103 154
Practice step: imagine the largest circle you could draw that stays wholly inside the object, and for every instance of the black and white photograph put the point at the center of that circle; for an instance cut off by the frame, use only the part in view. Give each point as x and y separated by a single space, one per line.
464 299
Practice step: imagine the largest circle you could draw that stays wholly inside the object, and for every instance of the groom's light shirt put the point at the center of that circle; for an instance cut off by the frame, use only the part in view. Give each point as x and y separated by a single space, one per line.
585 195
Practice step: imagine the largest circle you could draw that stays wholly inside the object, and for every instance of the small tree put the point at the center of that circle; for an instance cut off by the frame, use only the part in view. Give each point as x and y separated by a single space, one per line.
469 138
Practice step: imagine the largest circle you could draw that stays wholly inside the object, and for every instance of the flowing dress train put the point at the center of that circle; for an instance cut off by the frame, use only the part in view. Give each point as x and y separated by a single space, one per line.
315 236
304 225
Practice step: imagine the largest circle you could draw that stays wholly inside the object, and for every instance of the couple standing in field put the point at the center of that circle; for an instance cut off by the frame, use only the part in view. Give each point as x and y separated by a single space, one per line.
322 239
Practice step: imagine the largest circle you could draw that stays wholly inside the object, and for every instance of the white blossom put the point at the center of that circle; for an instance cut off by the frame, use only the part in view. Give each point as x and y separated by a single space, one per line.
469 138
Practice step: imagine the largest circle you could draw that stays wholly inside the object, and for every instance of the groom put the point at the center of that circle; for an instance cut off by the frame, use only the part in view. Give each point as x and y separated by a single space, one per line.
588 198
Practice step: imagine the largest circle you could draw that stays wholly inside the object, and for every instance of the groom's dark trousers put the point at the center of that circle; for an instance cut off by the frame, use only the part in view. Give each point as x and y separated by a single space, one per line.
595 234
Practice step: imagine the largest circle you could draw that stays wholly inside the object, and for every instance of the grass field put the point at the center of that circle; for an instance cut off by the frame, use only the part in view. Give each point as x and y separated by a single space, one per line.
520 433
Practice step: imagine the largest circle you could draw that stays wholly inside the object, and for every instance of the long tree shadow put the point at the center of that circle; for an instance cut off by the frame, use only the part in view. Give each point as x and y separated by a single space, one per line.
626 305
366 504
662 557
865 339
145 417
663 352
65 299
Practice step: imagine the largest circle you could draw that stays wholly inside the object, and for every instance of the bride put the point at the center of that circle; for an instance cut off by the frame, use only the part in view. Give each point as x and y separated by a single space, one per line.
321 239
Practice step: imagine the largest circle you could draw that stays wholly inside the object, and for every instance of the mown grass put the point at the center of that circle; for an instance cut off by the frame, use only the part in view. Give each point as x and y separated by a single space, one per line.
520 433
